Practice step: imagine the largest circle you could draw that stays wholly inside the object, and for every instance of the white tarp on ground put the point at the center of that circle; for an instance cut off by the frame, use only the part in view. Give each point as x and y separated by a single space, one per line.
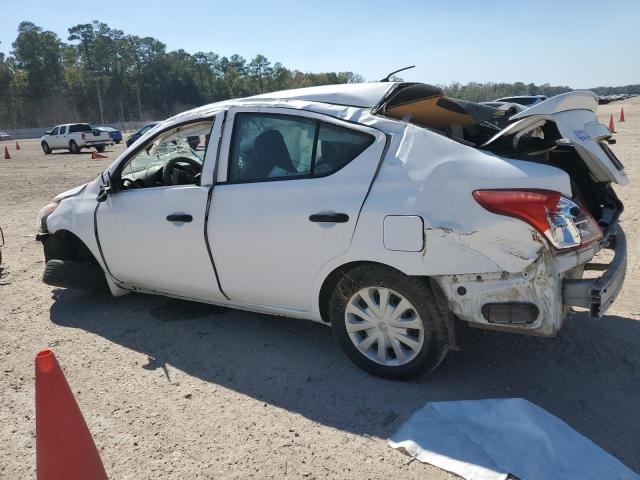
489 439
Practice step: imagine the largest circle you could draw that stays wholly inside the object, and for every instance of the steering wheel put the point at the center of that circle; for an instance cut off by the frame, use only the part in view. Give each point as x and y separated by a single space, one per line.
167 170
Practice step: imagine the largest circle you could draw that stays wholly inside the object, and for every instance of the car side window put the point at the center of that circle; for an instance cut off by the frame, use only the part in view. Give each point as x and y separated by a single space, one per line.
54 131
279 147
174 157
271 146
337 146
63 129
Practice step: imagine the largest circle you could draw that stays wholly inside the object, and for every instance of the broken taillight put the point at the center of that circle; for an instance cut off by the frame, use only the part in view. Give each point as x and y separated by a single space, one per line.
563 222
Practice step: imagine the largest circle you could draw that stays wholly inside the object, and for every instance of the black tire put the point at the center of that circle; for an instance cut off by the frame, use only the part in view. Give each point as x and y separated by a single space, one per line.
415 290
100 148
46 148
77 275
73 147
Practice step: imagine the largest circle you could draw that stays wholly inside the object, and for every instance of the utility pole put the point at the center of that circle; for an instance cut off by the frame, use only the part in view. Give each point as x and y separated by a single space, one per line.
138 97
98 76
100 101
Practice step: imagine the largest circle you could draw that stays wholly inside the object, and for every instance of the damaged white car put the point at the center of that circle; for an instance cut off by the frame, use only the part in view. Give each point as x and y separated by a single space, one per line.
386 210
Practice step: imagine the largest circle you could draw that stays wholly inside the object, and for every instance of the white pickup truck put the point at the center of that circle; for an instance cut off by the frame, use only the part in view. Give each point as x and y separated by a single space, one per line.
75 137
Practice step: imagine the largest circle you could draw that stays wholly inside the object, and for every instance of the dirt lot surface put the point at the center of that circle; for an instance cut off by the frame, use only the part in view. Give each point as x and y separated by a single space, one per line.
182 390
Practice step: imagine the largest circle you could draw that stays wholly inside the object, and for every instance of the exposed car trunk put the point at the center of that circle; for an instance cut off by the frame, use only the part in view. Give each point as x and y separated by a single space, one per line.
562 131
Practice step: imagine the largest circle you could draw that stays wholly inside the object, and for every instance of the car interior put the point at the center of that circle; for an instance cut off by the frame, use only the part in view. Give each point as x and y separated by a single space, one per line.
174 157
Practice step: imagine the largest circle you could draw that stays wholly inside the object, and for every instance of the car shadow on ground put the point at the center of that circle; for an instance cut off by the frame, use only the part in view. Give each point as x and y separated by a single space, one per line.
589 375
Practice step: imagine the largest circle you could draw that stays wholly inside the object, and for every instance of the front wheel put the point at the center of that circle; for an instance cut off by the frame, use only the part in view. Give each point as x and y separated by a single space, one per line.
46 148
100 148
386 322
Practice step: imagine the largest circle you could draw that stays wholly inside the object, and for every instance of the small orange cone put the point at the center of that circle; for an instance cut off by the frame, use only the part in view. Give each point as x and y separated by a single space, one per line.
611 128
95 155
17 145
6 153
64 447
621 115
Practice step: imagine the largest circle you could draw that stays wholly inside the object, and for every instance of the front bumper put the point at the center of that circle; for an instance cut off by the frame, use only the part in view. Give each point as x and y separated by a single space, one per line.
597 294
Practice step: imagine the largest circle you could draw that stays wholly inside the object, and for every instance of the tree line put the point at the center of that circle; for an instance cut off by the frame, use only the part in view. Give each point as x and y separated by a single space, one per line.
102 75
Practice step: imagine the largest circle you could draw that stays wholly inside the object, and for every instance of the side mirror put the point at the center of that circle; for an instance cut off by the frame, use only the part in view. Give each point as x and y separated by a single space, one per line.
104 192
47 132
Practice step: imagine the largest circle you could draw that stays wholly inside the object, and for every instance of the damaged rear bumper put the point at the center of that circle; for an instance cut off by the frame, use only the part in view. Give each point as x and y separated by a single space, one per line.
597 294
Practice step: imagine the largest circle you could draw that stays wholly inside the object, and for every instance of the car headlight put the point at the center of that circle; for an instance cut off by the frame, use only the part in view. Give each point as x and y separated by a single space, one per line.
44 214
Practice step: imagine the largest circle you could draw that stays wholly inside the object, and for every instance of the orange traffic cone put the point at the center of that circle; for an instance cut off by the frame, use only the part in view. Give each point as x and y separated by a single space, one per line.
17 145
611 128
95 155
6 153
64 447
621 115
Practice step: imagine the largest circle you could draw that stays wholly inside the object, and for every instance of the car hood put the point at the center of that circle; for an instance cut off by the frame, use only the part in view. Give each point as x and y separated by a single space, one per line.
69 193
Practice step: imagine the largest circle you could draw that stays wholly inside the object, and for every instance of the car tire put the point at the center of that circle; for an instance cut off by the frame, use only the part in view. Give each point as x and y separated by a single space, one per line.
100 148
77 275
421 353
73 147
46 148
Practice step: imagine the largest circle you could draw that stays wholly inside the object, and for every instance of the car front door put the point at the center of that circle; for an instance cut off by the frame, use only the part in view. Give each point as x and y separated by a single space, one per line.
151 230
61 139
290 187
52 140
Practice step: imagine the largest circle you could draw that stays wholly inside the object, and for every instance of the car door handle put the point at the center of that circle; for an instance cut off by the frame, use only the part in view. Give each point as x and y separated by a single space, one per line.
329 218
179 217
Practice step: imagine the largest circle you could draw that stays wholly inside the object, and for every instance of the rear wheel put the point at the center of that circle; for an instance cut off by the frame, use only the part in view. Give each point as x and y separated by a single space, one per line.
386 322
46 148
100 148
73 147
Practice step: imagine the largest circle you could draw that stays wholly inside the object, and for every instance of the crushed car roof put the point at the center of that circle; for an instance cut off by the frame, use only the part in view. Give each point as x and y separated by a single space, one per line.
364 95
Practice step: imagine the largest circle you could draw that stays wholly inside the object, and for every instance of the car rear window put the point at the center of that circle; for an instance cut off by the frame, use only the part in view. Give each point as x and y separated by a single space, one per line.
80 127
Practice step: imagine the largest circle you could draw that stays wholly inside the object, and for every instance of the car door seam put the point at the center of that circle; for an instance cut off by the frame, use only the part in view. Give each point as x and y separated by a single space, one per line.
95 231
208 207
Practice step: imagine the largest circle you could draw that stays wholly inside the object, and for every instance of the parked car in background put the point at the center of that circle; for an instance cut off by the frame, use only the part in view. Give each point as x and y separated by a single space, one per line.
392 220
116 135
507 109
526 100
75 137
135 136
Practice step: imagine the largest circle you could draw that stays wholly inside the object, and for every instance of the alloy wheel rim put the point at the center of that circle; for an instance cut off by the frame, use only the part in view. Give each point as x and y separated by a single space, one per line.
384 326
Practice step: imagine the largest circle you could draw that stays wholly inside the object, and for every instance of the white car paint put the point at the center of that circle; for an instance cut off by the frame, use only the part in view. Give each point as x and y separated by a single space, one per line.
269 258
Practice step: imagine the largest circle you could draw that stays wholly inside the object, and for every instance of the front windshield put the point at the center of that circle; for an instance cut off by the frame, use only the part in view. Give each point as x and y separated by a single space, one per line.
188 141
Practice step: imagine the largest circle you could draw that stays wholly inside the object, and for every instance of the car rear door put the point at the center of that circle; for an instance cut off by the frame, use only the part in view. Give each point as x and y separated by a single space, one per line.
291 184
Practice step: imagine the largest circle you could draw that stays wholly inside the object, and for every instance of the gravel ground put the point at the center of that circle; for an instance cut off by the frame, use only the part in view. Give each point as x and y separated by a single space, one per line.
173 389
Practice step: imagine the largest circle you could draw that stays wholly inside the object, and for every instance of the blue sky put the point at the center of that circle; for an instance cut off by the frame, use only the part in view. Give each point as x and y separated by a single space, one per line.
564 42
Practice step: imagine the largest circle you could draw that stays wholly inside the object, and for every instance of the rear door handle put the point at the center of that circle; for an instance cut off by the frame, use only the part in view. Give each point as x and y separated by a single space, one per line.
329 218
180 217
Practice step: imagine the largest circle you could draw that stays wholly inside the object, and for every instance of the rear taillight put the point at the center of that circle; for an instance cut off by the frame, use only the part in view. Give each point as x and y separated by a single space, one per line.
83 137
563 222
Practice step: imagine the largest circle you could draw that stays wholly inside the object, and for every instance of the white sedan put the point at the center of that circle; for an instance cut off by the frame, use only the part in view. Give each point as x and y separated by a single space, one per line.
386 210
